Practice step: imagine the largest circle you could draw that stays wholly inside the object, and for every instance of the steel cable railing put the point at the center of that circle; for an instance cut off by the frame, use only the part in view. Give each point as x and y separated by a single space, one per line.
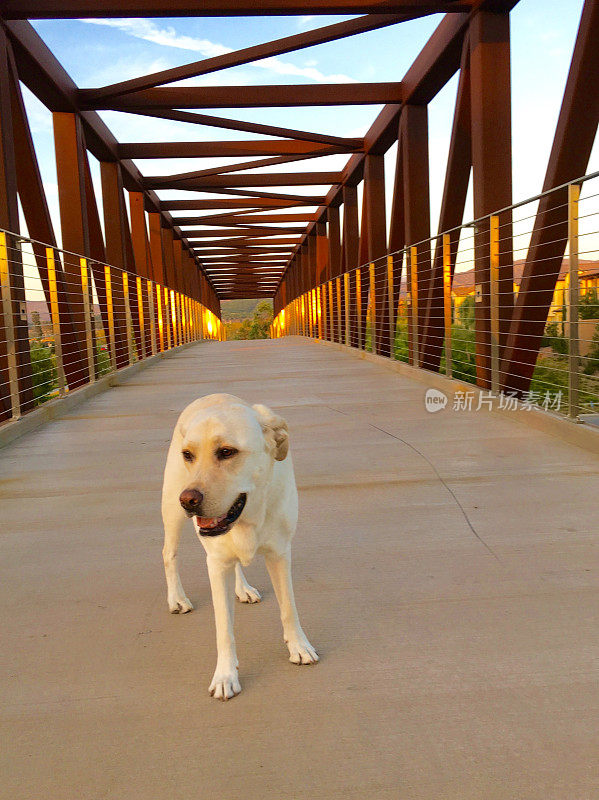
66 321
445 304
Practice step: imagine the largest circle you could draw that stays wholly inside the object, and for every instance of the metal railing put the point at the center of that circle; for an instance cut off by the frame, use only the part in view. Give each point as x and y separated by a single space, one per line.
66 321
565 356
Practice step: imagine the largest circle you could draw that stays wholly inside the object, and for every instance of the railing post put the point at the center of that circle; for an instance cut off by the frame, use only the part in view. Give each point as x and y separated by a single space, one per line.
346 298
391 309
373 340
447 304
338 298
331 336
573 341
110 315
304 315
167 318
89 334
494 300
152 317
322 317
310 312
9 329
318 312
55 316
159 296
128 319
140 311
359 306
173 309
414 305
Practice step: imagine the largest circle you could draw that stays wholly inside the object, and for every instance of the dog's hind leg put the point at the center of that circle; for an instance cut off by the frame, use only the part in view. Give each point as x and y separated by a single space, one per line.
300 649
173 518
245 593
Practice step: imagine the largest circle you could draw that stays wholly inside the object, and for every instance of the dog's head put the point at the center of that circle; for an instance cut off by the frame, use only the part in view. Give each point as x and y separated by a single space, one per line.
227 450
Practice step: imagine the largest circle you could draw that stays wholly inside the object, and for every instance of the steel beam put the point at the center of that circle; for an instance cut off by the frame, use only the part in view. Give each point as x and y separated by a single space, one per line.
259 147
374 192
14 349
335 94
492 174
50 9
253 179
457 176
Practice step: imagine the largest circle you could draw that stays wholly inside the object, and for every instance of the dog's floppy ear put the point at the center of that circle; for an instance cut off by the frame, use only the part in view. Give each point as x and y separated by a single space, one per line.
275 431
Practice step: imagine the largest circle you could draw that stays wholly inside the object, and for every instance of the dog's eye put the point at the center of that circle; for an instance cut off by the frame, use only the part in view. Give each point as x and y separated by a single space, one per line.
187 455
226 452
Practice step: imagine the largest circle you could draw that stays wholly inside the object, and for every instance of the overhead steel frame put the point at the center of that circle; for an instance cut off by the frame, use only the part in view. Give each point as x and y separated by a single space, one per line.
241 251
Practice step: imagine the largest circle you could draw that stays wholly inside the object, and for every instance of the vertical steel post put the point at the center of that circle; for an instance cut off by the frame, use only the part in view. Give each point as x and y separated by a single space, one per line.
331 335
338 298
160 318
359 305
140 311
447 303
173 310
9 330
110 315
346 297
167 318
89 335
414 304
391 306
128 318
494 300
323 311
55 316
373 332
573 341
152 317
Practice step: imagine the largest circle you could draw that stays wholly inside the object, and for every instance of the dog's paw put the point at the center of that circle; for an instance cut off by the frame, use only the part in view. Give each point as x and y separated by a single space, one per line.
247 594
179 604
225 685
301 651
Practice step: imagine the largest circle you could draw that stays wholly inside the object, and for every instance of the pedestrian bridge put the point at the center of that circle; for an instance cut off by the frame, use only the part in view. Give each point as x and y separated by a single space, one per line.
446 568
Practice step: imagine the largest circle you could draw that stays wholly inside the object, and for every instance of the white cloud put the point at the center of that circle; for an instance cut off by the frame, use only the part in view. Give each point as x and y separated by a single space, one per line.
168 37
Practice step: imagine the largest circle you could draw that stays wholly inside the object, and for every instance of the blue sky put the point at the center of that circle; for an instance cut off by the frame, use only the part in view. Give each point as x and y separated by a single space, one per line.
96 53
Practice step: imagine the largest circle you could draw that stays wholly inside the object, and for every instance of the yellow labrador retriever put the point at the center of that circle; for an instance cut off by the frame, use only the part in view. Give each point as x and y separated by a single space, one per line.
229 468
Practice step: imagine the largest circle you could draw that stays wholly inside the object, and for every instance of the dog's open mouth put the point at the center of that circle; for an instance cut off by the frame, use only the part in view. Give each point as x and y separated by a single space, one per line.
215 526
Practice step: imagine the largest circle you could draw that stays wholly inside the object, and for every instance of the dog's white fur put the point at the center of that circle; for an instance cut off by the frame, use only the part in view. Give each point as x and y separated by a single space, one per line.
263 470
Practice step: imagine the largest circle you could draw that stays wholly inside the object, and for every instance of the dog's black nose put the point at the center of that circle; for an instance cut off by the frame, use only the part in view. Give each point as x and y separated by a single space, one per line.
191 500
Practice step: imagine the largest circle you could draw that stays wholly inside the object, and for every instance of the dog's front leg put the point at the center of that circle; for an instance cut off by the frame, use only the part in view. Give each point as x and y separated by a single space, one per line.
300 649
225 682
173 518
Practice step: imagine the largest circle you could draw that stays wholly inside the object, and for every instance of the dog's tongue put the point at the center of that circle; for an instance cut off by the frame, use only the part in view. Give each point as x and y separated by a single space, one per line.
210 522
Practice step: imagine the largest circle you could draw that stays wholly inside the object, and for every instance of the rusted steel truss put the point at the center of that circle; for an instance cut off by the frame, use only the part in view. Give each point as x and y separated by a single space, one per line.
252 241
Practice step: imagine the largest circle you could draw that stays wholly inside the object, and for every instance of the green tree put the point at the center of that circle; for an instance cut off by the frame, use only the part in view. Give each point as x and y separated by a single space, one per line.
555 339
592 360
466 312
44 372
258 326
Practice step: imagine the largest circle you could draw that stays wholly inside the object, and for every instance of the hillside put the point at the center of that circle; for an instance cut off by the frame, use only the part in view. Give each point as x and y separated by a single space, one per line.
238 309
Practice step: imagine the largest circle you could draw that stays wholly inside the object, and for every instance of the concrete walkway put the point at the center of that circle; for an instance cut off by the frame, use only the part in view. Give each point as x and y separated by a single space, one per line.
446 568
